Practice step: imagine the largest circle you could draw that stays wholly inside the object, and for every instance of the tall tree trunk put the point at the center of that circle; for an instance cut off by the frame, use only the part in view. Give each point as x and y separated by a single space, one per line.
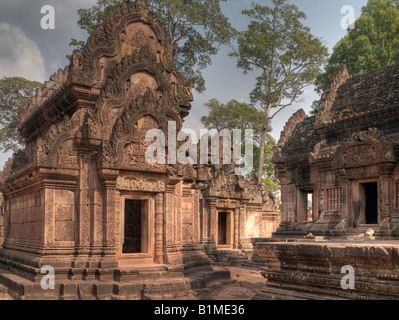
262 148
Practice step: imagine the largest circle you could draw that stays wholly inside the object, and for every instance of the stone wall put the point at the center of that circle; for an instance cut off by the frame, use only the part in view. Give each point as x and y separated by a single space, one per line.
26 221
1 224
64 215
317 268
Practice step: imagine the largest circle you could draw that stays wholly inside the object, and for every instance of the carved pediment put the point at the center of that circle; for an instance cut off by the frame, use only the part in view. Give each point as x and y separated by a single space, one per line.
360 155
366 148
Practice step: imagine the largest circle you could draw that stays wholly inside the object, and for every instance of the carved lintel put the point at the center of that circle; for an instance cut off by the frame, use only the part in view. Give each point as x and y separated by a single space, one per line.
227 204
141 182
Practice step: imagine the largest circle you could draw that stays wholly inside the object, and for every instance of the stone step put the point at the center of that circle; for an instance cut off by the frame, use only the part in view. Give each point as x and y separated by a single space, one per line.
164 282
167 290
229 257
147 273
197 269
201 280
4 294
197 263
270 293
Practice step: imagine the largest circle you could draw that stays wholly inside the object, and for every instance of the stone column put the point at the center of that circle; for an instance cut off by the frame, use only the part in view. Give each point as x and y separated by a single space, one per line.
385 193
170 218
109 213
49 232
213 228
385 196
236 227
1 223
385 190
242 222
204 222
159 209
83 223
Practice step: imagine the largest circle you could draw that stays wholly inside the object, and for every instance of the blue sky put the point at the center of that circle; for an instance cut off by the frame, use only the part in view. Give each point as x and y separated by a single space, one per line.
27 50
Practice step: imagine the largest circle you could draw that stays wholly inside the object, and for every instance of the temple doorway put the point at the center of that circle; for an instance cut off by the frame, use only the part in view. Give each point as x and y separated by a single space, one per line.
306 205
137 229
225 229
370 191
135 235
133 226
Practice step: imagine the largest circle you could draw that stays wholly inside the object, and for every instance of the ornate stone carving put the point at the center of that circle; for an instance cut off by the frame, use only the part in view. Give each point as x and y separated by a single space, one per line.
227 204
58 148
56 84
50 217
141 182
334 199
360 155
367 148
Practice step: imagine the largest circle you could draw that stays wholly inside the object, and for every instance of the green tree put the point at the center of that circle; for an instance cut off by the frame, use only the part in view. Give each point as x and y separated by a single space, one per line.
315 107
15 93
196 29
371 45
285 53
238 115
233 115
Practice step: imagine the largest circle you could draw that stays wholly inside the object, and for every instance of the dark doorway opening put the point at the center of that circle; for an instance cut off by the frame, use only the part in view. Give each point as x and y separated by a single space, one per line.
371 203
222 232
133 226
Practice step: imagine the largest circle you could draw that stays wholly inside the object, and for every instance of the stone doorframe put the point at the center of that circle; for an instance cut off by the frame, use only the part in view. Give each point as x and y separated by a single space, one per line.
214 206
357 201
301 208
148 229
230 225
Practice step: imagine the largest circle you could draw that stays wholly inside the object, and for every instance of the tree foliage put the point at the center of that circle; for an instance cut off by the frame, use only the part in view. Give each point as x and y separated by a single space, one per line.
371 45
285 54
196 29
233 115
15 93
242 116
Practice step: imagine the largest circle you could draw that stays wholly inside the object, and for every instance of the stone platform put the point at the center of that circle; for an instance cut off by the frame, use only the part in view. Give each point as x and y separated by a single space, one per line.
313 268
152 282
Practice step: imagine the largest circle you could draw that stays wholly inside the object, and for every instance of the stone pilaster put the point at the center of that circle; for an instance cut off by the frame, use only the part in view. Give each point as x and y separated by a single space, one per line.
236 228
109 214
83 219
159 228
213 220
49 218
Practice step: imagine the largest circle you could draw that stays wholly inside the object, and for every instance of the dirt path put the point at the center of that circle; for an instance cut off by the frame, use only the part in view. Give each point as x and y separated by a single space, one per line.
247 283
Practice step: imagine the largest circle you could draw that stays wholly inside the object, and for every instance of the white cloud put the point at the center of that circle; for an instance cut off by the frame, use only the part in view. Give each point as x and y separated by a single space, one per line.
19 55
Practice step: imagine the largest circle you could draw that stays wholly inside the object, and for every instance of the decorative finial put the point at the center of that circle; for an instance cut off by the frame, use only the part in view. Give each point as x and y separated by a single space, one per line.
142 3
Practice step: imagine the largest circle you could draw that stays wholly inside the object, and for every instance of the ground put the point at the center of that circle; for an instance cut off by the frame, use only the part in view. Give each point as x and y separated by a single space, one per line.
245 284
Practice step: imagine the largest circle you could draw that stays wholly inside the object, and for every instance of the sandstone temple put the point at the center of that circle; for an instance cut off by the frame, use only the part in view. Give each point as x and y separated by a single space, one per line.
82 198
339 178
339 170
